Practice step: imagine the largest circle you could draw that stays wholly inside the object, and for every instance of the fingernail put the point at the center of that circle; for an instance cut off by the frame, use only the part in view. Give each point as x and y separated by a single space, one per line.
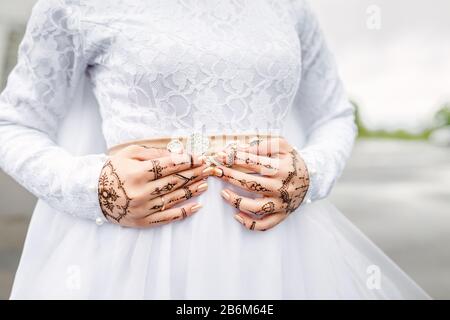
222 154
207 171
244 145
202 187
225 194
196 207
218 172
239 218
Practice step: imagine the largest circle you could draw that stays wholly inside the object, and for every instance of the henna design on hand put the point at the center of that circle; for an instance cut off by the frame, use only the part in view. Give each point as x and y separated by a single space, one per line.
258 163
237 202
267 208
151 147
251 185
186 179
252 227
293 201
187 193
164 189
157 169
157 221
156 207
112 195
165 220
254 186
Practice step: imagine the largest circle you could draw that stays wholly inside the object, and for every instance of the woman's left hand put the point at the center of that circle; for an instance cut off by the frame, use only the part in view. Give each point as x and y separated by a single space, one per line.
282 180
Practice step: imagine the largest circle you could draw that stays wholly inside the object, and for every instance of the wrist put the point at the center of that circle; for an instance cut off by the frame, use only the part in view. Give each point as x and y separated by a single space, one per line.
97 211
311 171
82 191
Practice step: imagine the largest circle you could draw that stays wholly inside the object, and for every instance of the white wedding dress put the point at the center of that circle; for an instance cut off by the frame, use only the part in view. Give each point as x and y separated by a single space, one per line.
93 74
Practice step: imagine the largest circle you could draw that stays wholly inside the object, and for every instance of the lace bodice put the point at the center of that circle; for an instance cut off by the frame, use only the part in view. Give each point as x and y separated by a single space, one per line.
163 67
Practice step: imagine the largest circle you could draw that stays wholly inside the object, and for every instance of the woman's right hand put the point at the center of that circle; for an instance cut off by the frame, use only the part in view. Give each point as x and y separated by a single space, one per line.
138 186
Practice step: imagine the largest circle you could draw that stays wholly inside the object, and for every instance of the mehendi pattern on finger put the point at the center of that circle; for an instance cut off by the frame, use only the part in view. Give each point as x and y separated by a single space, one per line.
252 227
165 220
164 189
186 180
156 170
157 221
113 198
254 186
267 208
151 147
250 185
250 161
237 203
156 207
184 213
183 197
187 193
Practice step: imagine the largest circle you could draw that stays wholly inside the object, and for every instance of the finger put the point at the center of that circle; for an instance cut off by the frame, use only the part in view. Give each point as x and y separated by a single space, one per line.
143 153
170 215
258 206
265 146
173 198
265 223
258 164
249 182
175 181
162 167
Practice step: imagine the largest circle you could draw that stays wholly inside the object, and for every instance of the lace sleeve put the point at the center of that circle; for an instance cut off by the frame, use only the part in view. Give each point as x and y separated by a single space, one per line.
322 106
50 64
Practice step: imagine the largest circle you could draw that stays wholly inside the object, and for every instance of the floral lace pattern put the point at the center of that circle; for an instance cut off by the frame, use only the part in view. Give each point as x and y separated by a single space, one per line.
164 67
178 66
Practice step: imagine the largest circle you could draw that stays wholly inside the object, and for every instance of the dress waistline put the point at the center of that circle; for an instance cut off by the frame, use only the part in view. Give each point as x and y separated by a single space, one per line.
196 144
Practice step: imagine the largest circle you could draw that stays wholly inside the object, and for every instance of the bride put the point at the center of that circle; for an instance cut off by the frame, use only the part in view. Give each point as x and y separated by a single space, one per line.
208 110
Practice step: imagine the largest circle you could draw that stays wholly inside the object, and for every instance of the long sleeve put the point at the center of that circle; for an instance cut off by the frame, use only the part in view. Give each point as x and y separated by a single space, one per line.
323 108
50 65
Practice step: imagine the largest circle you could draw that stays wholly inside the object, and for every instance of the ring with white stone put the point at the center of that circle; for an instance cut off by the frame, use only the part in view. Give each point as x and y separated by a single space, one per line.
231 155
197 143
230 158
174 146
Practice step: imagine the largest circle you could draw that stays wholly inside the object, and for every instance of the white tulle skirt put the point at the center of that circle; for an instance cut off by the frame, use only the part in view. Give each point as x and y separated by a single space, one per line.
316 253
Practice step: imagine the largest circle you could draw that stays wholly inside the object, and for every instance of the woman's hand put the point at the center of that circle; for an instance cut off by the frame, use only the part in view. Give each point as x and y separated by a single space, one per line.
282 181
138 186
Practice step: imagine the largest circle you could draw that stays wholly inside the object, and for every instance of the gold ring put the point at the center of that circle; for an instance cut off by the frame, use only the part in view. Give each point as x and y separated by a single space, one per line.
163 203
222 173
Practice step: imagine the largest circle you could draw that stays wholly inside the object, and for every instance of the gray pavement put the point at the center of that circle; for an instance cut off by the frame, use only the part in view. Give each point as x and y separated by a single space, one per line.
397 193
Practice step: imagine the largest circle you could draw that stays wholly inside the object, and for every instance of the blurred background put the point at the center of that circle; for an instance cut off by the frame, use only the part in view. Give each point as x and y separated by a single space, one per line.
394 57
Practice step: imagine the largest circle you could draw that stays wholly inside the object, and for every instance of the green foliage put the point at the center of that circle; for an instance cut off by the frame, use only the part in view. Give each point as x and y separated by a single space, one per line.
442 118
